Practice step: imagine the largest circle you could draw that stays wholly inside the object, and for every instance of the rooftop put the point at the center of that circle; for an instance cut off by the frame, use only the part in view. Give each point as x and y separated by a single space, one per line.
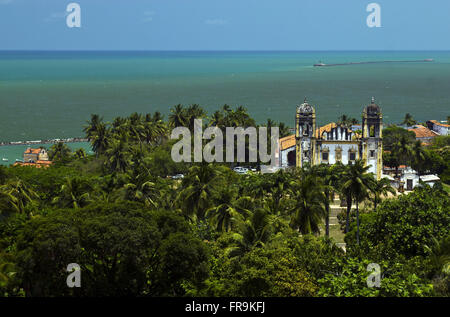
423 132
305 108
440 124
429 178
327 128
38 164
32 151
287 142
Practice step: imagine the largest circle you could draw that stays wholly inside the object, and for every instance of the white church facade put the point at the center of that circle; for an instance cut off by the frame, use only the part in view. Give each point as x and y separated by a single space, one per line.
334 143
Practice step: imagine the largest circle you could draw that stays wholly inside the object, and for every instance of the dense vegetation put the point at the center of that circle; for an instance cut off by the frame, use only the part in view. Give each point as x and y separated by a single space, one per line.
403 149
137 231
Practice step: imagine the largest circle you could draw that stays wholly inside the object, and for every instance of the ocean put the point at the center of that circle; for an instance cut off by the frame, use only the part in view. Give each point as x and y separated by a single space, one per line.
46 95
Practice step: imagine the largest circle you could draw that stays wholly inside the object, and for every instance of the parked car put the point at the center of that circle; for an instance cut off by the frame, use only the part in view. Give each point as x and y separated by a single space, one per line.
240 170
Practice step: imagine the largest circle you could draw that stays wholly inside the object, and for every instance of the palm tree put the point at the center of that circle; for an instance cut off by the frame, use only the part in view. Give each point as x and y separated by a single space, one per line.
118 156
198 189
74 193
154 131
278 184
331 178
228 209
254 233
80 153
118 126
243 117
100 139
216 120
355 183
347 121
59 152
178 117
381 188
230 118
402 151
255 185
16 195
145 192
92 126
136 127
308 203
283 130
409 120
418 156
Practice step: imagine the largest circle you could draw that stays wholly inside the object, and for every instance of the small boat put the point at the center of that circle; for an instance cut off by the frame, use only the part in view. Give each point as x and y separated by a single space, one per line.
19 160
5 159
320 64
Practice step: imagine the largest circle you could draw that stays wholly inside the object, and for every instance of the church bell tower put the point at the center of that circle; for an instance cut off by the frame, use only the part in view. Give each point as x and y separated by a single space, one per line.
372 145
305 127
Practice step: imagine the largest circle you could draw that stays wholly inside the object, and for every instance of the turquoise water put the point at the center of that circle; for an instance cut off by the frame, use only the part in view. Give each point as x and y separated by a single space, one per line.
13 152
46 95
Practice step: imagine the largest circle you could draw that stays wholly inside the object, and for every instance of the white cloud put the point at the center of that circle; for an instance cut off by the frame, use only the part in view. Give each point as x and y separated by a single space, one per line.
55 16
216 22
148 16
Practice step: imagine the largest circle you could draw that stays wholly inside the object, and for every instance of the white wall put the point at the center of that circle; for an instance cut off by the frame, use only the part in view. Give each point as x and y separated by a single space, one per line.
412 175
284 156
332 152
440 129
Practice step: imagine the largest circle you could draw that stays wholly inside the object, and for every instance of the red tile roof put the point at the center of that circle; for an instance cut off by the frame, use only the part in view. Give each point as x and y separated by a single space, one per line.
327 128
423 132
441 124
32 151
38 164
287 142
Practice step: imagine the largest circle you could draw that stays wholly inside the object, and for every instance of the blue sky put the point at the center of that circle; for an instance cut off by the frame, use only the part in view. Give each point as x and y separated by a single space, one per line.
225 25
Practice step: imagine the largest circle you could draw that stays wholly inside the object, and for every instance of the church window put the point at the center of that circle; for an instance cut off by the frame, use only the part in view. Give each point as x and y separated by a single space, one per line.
352 156
372 131
338 154
306 130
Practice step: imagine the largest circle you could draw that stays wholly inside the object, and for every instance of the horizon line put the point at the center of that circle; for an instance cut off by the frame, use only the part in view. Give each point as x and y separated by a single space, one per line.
219 50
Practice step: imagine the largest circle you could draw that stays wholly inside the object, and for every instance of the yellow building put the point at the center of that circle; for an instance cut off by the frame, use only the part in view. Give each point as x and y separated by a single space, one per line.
334 143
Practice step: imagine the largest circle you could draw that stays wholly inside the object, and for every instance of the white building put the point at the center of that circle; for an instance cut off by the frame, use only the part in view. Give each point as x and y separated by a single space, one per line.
438 127
430 179
410 179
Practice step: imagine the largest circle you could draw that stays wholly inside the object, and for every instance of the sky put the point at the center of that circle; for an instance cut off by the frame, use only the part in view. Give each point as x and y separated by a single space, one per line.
225 25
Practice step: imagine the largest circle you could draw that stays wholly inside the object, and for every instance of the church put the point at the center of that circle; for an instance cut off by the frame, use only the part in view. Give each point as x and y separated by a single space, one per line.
334 143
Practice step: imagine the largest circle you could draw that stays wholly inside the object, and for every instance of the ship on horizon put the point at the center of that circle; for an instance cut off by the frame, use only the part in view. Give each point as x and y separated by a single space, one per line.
320 64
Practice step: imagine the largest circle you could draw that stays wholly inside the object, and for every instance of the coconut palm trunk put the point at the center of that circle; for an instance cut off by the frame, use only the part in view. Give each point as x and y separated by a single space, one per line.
357 222
349 207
